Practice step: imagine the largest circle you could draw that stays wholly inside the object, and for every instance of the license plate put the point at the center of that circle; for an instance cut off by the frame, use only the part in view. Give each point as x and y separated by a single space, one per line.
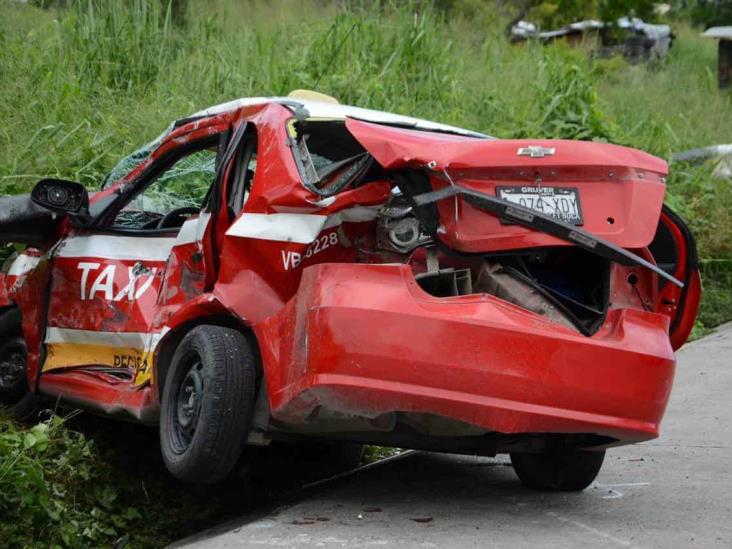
561 203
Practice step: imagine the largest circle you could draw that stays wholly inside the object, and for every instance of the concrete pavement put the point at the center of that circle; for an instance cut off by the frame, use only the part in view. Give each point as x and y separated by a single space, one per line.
672 492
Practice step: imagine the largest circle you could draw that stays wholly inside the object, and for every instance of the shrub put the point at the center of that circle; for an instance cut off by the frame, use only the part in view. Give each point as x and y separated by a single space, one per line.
552 14
54 489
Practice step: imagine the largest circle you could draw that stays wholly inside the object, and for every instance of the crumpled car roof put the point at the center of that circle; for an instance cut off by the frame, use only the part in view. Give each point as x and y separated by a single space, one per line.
314 109
318 109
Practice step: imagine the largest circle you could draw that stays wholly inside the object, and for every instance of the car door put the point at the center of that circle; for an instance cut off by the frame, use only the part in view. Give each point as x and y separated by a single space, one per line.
674 250
106 279
234 177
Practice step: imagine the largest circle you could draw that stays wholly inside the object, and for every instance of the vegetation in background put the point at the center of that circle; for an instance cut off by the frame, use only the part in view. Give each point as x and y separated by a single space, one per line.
86 82
710 13
552 14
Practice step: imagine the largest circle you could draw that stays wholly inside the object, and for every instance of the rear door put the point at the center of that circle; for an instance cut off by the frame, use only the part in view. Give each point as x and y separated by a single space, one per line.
674 250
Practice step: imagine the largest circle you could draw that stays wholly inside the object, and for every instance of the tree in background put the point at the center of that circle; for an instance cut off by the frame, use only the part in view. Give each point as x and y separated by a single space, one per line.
711 13
611 10
551 14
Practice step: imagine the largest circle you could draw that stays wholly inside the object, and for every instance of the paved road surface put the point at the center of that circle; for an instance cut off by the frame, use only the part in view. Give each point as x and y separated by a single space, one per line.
672 492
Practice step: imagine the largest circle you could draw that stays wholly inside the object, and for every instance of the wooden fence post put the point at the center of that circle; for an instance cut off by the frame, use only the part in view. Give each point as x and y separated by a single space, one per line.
724 35
725 63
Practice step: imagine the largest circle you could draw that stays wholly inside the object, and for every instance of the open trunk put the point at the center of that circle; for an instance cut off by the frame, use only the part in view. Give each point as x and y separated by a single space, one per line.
567 286
564 229
498 283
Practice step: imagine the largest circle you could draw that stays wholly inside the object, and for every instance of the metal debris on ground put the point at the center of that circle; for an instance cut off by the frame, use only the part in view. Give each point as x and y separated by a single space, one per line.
722 154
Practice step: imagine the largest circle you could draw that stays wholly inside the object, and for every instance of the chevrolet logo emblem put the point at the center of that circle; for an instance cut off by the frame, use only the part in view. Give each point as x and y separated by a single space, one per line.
536 151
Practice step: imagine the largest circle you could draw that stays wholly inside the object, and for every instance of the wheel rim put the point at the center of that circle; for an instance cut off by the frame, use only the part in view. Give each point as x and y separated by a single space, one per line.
12 365
187 406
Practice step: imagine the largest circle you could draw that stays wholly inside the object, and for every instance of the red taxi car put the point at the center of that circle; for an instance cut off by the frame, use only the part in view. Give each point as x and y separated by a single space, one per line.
296 269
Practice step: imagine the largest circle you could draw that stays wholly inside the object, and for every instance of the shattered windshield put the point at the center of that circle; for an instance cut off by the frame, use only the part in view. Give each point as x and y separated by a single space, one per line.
130 162
126 165
183 185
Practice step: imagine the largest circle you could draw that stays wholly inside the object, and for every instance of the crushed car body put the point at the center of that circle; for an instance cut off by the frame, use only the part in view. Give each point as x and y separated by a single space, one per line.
383 279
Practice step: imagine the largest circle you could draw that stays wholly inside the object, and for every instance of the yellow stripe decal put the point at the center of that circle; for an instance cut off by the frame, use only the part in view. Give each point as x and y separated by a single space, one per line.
65 355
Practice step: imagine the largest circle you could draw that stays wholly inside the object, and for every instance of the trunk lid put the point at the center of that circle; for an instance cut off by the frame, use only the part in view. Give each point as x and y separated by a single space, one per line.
619 190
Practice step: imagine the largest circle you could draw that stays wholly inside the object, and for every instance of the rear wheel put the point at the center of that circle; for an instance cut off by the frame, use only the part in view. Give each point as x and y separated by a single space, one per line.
15 395
558 469
207 404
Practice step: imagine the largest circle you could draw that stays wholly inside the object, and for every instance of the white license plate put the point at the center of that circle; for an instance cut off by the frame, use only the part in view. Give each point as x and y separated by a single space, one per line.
561 203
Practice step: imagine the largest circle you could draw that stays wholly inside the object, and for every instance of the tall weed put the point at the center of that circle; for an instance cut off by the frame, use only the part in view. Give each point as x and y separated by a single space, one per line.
122 46
564 100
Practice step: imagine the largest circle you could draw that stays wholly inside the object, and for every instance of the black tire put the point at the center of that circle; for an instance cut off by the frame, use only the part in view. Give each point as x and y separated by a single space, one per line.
15 396
207 404
558 469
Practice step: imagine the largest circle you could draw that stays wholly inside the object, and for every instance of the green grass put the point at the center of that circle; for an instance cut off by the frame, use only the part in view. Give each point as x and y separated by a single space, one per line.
84 86
75 482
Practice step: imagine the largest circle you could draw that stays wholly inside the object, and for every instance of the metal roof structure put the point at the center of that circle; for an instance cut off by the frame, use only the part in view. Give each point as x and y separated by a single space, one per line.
330 110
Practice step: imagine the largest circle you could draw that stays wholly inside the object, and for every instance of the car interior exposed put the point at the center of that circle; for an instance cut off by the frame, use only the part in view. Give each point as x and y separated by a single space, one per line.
329 158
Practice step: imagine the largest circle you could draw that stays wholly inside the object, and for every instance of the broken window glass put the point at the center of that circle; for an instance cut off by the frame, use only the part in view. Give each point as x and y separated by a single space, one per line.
130 162
328 157
125 166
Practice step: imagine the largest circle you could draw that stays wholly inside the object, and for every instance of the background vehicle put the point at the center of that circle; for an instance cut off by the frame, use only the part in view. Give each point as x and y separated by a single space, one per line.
290 269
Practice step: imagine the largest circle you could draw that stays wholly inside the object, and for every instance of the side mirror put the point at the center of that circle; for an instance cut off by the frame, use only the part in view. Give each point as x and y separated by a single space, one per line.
66 197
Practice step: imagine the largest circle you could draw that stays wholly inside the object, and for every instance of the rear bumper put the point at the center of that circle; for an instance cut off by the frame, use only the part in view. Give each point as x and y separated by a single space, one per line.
365 340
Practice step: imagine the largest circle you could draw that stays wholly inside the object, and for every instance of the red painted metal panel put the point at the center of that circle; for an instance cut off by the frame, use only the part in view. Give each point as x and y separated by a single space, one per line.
102 393
399 148
366 339
620 189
